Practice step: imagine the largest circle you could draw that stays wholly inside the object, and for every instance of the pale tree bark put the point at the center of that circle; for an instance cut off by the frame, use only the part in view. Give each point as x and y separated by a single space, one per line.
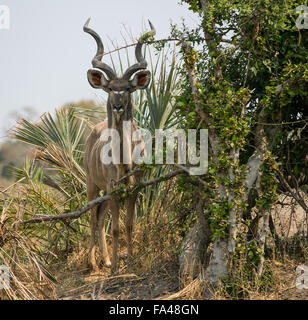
262 238
218 266
194 247
265 214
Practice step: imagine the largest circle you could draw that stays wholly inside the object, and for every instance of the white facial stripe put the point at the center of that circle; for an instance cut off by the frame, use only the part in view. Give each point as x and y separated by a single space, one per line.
118 92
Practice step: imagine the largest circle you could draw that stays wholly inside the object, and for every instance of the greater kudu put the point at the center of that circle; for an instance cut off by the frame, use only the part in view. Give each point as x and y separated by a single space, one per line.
101 176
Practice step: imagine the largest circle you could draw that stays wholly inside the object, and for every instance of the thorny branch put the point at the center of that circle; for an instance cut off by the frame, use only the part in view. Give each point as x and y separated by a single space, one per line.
205 117
160 41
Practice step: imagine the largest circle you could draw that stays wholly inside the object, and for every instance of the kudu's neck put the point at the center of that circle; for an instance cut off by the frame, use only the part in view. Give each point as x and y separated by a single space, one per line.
124 128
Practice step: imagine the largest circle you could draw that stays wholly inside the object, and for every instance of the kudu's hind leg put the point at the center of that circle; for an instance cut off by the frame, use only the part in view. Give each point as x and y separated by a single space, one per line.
103 209
92 193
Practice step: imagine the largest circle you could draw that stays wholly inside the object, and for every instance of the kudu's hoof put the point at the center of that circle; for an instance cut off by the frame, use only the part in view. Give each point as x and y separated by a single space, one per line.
94 270
107 264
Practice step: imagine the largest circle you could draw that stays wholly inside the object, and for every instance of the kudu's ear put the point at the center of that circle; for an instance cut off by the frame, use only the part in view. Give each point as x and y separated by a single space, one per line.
97 80
141 80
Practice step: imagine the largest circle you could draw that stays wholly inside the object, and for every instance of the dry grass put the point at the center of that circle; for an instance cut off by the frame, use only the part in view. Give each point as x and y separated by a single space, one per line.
289 217
153 273
29 278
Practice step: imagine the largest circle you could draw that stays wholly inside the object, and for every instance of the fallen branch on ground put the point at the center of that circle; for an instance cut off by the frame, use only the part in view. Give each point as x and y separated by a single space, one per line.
76 214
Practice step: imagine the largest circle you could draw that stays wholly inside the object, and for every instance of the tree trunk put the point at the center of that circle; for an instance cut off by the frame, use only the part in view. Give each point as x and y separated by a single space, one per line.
194 247
193 251
218 265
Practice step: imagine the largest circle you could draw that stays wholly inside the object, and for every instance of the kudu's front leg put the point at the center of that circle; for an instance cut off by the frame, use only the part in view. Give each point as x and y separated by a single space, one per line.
130 205
92 193
102 233
115 208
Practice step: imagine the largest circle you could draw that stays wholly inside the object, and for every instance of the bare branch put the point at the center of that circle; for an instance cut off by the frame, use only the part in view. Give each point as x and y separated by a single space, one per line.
76 214
255 161
136 43
294 194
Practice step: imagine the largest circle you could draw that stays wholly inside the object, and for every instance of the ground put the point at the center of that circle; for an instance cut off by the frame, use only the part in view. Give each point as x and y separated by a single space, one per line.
142 281
290 292
158 283
162 282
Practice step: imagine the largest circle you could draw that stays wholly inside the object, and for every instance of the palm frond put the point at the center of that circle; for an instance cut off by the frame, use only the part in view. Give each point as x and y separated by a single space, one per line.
59 141
155 107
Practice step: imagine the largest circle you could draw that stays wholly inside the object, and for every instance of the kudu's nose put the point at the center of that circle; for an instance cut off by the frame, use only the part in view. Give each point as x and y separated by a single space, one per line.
118 107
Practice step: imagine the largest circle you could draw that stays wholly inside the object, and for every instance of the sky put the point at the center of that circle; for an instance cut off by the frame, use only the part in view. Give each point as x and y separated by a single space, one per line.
44 55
